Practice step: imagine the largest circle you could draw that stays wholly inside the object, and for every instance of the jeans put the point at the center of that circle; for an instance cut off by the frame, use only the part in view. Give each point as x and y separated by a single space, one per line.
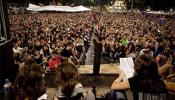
117 95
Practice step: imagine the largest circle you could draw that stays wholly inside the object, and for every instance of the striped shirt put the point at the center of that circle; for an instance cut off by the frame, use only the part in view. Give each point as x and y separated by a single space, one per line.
78 89
143 90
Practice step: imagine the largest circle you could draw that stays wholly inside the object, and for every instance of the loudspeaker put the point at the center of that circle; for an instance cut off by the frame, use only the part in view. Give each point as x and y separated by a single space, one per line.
6 61
6 52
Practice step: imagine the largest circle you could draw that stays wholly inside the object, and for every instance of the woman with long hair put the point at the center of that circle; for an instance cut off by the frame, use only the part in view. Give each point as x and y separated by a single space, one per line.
69 87
130 50
146 83
29 84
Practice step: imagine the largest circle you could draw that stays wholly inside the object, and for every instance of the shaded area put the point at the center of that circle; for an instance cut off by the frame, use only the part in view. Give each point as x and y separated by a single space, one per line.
138 4
102 80
88 80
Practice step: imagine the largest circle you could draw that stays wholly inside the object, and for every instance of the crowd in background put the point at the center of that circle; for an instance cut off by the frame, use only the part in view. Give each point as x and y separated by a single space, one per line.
40 35
49 39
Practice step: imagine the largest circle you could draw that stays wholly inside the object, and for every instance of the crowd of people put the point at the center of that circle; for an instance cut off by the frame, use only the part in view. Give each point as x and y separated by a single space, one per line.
41 35
60 40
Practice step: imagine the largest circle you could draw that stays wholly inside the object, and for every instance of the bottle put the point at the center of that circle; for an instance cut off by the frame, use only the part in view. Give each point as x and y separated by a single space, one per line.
7 86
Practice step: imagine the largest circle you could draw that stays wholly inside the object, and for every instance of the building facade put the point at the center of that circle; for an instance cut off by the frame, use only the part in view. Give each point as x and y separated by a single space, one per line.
118 6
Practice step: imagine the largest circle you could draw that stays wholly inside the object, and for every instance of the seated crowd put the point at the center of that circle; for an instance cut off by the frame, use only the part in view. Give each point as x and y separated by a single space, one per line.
59 41
39 36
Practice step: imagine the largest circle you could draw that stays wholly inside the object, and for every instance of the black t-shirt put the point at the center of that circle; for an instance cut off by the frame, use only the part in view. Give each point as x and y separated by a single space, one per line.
66 53
38 48
147 88
79 48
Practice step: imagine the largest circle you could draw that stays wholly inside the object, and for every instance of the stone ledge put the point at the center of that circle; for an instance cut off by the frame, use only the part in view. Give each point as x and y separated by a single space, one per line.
104 69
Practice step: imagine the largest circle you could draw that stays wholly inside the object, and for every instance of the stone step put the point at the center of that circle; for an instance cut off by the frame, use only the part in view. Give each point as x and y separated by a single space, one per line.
104 69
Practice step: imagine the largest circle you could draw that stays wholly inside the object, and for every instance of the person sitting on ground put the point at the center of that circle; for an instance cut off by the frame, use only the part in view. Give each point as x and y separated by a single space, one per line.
167 71
130 50
147 50
170 81
146 82
69 86
54 61
29 84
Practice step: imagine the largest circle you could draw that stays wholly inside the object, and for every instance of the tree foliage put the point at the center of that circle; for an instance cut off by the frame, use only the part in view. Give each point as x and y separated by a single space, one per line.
154 4
140 4
67 2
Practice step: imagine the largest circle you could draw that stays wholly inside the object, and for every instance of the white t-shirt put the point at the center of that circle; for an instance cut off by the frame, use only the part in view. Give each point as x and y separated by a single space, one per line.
18 50
142 52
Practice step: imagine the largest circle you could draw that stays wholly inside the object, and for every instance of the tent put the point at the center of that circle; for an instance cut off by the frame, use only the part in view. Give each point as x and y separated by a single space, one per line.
159 12
37 8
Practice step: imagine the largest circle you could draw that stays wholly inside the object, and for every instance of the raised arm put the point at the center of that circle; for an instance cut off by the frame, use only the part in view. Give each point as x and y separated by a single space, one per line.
164 68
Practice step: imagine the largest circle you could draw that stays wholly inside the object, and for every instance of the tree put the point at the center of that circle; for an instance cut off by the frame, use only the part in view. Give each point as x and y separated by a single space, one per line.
136 4
139 4
161 4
